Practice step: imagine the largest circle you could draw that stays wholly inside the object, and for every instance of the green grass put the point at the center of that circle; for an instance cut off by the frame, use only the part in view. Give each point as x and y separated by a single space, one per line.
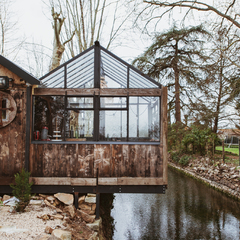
226 149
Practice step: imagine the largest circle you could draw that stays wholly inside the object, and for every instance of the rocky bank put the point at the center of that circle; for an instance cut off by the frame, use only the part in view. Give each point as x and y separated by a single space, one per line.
224 177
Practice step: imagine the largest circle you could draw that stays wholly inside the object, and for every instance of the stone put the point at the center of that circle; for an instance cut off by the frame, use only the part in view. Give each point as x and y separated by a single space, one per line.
95 226
58 210
50 199
87 218
42 195
94 206
89 212
6 197
91 195
57 216
36 202
62 234
48 230
85 207
81 200
46 237
94 236
70 209
49 204
65 198
90 199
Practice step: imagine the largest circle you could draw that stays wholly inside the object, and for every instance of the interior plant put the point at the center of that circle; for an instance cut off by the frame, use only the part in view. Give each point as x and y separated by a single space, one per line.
22 189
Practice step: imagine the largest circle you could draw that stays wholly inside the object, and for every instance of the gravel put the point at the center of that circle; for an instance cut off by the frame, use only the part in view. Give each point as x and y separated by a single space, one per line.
27 225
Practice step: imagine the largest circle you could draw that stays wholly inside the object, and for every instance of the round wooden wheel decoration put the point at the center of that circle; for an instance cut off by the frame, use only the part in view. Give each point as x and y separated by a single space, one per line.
8 109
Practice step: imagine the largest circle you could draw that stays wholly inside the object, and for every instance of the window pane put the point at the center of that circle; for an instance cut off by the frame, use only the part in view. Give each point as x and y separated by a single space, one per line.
144 118
113 125
48 117
79 125
80 102
113 102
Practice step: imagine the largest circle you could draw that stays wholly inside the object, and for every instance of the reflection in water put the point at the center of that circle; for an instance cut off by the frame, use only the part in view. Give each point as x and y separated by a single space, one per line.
188 210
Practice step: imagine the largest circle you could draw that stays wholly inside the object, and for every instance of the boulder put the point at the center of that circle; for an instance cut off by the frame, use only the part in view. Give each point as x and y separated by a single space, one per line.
36 202
6 197
63 235
90 199
95 226
87 218
81 200
85 207
50 199
65 198
70 209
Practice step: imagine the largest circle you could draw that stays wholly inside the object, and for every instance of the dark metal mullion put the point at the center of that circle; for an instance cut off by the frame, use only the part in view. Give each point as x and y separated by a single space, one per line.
138 117
65 76
127 117
113 109
128 71
79 109
96 117
64 117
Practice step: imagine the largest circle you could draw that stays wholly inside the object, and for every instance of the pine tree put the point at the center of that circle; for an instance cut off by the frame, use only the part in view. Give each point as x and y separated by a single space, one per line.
175 56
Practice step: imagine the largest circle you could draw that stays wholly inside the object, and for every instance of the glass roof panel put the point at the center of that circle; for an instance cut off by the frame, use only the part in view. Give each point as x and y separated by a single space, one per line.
80 72
54 80
137 80
115 72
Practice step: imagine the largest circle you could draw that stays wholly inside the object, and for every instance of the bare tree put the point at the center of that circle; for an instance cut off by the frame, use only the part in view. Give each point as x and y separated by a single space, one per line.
58 47
227 10
10 43
92 20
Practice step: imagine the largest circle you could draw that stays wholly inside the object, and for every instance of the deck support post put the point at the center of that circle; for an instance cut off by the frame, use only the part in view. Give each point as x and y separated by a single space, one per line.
76 200
97 205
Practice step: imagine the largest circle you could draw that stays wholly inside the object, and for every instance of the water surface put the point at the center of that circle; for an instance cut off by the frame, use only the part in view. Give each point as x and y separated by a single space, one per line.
188 210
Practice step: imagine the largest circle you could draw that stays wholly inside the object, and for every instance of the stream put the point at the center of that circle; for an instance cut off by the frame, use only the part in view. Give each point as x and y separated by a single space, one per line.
188 210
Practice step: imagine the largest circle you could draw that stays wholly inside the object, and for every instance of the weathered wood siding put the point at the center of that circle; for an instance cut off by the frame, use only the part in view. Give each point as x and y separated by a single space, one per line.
83 160
13 137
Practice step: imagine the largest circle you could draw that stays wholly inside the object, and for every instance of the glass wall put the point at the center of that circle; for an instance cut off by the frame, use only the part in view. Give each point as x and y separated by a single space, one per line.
78 118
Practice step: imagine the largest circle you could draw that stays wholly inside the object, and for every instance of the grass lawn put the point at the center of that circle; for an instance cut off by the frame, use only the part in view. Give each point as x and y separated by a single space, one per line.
226 149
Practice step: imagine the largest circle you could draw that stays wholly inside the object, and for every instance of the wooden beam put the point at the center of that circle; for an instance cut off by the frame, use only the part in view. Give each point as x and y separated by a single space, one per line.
97 91
6 180
50 180
139 181
83 181
92 181
164 129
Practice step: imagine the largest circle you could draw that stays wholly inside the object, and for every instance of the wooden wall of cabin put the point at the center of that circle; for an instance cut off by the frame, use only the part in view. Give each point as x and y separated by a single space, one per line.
13 137
83 160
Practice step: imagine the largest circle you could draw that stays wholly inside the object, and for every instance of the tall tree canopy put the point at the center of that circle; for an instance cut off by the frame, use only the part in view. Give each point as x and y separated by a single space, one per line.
175 56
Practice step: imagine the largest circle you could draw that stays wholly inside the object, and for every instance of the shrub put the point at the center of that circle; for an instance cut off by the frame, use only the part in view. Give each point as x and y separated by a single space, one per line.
175 156
22 189
184 160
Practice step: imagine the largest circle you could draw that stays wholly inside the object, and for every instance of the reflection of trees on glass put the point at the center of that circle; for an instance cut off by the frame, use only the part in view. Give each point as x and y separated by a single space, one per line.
144 118
48 111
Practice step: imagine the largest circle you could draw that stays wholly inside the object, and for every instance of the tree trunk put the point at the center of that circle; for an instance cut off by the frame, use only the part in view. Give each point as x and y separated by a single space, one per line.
57 56
177 86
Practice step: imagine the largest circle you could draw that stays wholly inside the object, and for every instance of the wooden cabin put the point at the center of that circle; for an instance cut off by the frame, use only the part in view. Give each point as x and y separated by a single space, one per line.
94 124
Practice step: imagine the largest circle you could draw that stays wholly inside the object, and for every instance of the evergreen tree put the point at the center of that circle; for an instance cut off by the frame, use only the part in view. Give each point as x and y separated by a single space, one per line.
175 56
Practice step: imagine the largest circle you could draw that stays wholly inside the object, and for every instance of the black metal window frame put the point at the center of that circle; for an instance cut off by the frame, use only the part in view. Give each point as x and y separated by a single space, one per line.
96 111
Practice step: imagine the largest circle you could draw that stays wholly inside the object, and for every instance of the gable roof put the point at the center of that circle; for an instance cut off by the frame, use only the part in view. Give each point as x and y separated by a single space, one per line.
18 71
78 72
